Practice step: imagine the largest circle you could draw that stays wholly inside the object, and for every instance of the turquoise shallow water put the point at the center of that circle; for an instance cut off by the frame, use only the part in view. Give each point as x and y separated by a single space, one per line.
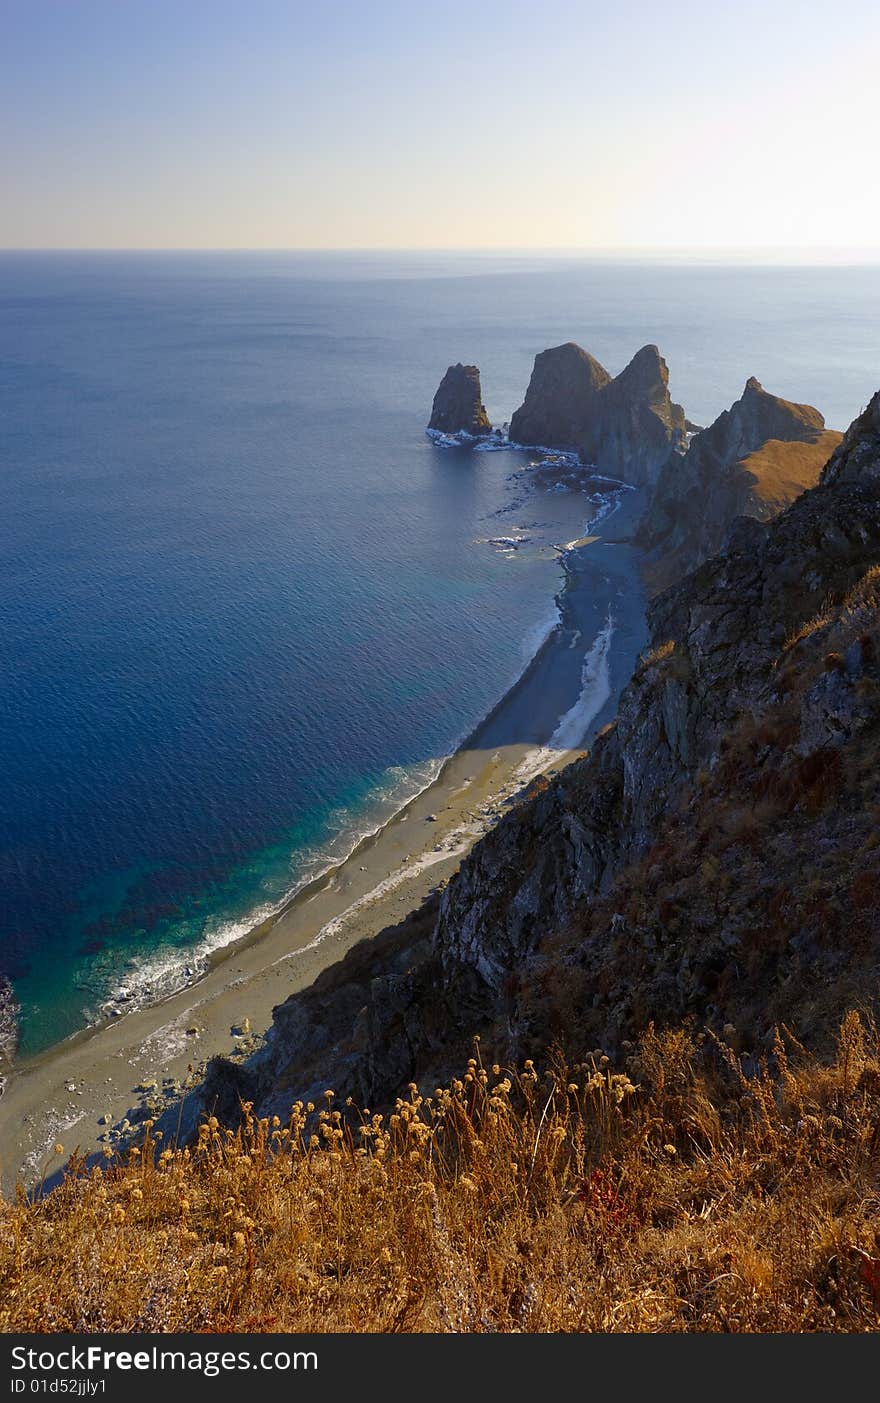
246 604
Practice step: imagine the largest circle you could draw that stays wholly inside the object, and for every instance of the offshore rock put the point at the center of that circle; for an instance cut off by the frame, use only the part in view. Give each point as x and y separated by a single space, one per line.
626 426
560 400
458 404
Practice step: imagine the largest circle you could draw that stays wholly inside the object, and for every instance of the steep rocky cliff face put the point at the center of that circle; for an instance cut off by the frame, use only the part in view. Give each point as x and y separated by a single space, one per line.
625 426
858 455
716 855
752 461
458 404
637 425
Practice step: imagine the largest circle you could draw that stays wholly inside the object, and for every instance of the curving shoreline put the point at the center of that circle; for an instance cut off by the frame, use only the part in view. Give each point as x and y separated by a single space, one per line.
76 1091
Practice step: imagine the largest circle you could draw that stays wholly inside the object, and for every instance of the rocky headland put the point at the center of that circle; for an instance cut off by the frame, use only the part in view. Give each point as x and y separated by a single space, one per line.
752 461
458 404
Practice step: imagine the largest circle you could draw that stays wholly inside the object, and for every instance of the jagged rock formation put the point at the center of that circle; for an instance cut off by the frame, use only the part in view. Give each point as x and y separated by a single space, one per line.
752 461
714 856
458 404
858 455
625 426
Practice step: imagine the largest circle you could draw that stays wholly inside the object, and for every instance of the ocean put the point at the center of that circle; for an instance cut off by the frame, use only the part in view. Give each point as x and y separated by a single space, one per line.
247 606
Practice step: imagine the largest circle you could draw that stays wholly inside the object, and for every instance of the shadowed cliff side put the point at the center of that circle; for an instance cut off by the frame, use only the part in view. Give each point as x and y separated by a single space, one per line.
752 461
858 456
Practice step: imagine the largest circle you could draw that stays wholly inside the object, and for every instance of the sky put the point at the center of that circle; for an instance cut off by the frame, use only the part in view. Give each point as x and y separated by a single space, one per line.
676 124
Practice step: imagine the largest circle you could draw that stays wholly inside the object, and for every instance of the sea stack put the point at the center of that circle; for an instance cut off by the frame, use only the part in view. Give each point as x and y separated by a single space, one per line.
626 426
637 425
751 462
560 400
458 404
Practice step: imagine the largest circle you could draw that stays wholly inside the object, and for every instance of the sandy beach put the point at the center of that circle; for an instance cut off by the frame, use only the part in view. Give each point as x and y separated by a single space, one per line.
79 1092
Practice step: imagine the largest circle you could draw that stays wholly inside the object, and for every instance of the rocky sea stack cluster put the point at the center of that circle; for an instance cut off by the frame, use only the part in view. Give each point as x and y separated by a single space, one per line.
626 426
755 459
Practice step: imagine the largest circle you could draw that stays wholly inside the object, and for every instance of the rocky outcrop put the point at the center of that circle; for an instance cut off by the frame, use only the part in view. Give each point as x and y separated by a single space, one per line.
715 856
637 425
858 455
752 461
458 404
624 426
560 400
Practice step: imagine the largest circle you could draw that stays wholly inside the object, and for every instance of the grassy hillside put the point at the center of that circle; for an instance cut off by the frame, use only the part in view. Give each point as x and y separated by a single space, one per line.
675 1193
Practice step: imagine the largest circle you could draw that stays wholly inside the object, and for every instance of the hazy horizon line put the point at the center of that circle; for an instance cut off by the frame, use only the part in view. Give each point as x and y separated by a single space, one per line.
799 253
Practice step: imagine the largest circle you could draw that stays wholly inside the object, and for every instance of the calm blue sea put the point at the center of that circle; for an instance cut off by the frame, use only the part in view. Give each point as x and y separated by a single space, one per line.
244 603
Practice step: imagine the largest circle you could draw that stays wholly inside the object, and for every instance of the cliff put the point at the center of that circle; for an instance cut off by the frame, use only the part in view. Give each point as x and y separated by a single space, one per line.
857 457
714 856
752 461
458 404
624 426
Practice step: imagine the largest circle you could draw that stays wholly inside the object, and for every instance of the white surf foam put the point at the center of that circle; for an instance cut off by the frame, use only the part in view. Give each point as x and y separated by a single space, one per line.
535 637
154 977
572 728
595 691
607 503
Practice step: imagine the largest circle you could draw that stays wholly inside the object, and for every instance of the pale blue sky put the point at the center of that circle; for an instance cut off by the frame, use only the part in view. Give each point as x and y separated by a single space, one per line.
554 123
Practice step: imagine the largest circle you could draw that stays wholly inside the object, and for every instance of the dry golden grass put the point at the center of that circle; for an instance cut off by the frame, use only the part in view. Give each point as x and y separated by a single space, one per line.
781 471
680 1194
